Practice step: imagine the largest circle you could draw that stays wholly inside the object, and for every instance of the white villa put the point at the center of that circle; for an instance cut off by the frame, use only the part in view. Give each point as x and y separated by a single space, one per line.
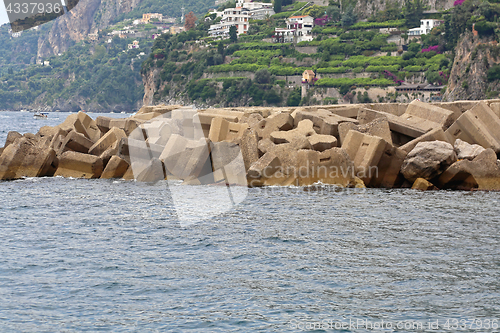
239 17
425 27
299 28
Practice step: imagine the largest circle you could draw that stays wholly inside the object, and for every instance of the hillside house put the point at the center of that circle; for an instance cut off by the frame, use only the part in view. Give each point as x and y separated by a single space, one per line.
299 28
308 76
426 26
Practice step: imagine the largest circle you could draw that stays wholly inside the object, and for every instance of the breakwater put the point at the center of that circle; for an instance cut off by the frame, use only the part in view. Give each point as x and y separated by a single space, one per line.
425 146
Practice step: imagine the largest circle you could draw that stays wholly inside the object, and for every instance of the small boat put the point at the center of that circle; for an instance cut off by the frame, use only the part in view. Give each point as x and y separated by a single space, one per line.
41 115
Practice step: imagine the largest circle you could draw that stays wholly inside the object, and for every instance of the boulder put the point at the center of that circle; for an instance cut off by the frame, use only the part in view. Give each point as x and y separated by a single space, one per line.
115 168
428 160
479 126
466 151
223 130
423 185
482 173
78 165
279 122
324 121
112 136
377 127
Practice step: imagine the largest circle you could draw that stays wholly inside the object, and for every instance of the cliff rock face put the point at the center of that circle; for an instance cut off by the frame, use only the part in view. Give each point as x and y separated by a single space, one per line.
366 8
85 18
468 77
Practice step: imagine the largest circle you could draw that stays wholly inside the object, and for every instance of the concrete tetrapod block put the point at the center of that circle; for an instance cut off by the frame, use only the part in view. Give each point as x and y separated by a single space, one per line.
324 122
228 165
349 111
429 115
304 129
113 135
24 158
11 137
223 130
249 147
128 125
435 135
115 168
76 142
78 165
377 127
483 173
322 142
265 168
279 122
479 126
332 166
83 124
366 152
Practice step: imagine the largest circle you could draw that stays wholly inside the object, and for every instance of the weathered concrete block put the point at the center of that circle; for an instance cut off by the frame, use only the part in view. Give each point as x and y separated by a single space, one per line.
263 169
153 171
11 137
332 166
304 129
279 122
112 136
479 126
228 164
128 125
252 119
76 142
429 116
428 160
482 173
377 127
322 142
347 111
423 185
115 168
78 165
249 147
108 153
26 158
377 162
324 122
457 107
223 130
434 135
82 123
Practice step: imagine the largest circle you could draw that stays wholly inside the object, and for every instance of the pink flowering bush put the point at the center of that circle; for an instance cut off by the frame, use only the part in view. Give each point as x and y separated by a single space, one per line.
431 48
458 2
394 78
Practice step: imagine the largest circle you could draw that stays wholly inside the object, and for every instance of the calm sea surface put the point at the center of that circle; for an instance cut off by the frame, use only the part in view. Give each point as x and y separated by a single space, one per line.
110 256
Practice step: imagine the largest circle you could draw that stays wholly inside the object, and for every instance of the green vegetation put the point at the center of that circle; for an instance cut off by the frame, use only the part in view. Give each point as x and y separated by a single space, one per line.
98 74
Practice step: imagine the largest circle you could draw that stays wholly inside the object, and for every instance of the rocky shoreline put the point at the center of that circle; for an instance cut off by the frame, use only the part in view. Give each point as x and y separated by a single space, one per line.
419 145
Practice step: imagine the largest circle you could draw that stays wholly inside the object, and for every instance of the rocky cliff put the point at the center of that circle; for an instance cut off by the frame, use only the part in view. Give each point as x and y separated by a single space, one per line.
86 17
468 78
366 8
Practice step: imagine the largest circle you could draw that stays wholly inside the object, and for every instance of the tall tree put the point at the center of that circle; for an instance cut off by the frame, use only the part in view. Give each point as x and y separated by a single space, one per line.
190 21
412 12
233 34
349 17
277 6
